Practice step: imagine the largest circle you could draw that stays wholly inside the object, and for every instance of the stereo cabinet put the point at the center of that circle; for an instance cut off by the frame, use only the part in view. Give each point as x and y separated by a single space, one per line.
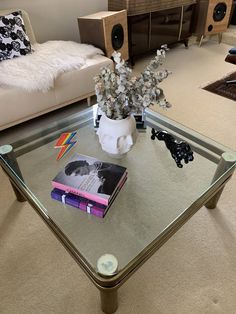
147 32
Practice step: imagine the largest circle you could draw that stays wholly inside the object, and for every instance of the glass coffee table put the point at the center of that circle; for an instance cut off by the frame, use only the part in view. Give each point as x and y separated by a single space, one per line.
155 201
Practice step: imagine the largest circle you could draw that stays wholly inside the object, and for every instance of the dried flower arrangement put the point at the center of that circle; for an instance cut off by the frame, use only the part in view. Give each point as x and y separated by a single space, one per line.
119 93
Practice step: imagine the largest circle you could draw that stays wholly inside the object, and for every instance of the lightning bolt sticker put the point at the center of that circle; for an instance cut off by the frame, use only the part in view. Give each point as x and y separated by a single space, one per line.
65 143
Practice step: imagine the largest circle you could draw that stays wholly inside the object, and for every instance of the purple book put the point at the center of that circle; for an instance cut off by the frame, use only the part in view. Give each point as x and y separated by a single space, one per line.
82 203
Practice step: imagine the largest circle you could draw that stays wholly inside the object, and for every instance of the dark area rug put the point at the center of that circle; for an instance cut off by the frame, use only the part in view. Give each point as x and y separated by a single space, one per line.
221 88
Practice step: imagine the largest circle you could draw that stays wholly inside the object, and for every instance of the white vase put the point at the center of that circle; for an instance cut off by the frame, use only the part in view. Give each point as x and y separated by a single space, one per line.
117 136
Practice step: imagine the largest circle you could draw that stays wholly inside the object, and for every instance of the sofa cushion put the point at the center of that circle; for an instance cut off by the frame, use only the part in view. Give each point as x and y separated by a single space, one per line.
13 39
38 71
71 84
17 106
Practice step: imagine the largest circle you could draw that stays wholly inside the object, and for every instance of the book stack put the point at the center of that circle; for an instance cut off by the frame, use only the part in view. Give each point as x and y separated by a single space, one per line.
88 184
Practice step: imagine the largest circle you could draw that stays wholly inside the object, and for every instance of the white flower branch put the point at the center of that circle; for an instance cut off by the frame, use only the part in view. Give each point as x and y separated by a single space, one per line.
119 93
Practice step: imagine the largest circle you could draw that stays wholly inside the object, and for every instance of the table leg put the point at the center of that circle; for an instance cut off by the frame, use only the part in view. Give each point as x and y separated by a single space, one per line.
219 37
8 154
226 161
109 300
19 196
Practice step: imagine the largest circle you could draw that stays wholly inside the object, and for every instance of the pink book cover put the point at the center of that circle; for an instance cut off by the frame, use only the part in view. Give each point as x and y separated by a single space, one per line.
90 178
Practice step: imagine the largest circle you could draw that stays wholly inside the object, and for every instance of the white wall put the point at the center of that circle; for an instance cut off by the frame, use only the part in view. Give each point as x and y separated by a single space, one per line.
56 19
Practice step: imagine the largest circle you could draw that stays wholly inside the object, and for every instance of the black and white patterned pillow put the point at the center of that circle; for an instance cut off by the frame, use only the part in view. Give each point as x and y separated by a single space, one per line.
13 39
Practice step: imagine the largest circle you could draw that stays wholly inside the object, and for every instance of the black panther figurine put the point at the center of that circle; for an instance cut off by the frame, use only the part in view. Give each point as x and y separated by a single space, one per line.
179 150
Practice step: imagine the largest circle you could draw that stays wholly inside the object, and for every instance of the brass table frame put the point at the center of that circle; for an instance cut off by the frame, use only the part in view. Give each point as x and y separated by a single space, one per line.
108 286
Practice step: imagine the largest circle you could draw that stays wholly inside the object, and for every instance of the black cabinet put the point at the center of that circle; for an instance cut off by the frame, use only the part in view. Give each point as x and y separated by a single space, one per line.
187 22
138 34
164 27
151 30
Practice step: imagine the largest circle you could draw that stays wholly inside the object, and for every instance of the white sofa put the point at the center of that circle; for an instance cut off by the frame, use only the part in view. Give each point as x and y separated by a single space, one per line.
17 105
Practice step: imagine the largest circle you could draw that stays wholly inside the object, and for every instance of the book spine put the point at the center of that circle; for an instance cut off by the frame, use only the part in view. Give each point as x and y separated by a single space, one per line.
66 198
119 185
84 194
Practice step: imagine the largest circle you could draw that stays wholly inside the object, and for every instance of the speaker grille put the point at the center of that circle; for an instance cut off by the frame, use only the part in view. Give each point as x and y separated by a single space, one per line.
219 12
117 36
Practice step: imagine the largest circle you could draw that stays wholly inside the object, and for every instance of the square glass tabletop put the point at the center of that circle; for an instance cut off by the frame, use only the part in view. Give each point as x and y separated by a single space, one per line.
155 201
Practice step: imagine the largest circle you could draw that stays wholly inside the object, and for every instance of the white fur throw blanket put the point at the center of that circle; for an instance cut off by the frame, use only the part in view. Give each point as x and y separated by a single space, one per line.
38 70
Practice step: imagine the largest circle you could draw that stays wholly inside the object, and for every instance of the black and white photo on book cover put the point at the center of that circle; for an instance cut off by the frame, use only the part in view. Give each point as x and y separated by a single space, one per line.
90 178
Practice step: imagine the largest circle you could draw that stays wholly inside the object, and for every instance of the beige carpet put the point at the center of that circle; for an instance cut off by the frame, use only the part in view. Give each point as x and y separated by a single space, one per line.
194 272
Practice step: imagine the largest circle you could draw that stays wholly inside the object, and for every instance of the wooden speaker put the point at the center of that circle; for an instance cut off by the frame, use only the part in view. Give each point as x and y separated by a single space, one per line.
106 30
212 16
